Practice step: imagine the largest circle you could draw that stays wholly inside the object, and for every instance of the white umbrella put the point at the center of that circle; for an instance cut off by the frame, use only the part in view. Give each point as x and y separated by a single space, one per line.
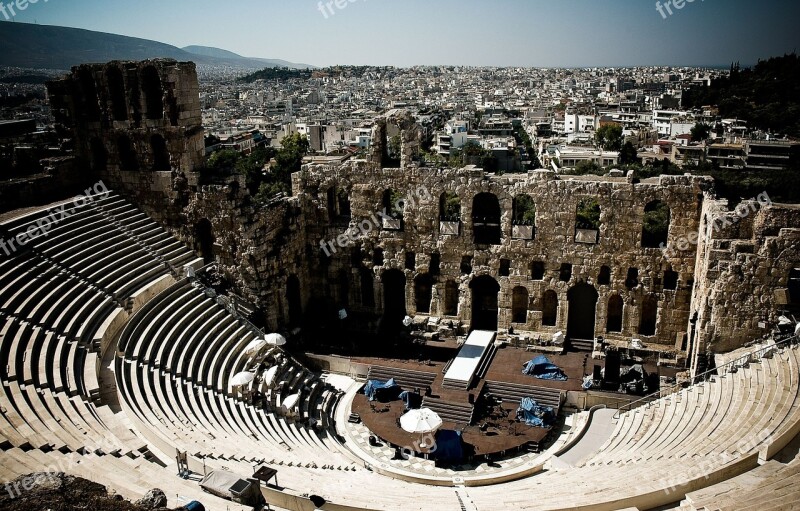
275 339
421 421
242 379
291 401
255 345
269 376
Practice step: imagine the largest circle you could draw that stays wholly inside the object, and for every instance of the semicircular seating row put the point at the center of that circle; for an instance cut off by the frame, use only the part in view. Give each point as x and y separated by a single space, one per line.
56 293
178 354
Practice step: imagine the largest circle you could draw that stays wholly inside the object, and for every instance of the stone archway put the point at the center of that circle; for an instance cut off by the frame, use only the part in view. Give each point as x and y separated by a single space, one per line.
485 303
394 300
582 300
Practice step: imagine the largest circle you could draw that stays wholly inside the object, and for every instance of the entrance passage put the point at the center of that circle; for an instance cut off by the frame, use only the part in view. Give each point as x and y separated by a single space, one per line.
394 300
582 306
485 292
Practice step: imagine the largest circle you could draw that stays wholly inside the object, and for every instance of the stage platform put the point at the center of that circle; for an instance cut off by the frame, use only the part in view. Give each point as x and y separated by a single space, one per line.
469 358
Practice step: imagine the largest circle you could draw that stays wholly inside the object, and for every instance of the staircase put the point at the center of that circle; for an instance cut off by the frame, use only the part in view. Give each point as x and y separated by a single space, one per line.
406 378
514 392
581 345
458 413
483 366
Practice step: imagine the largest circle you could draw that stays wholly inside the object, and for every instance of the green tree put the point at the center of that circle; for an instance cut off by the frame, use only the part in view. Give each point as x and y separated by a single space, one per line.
700 132
588 214
609 137
224 161
628 154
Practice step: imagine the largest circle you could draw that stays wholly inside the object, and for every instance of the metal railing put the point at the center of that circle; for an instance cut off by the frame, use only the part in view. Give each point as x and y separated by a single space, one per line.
703 377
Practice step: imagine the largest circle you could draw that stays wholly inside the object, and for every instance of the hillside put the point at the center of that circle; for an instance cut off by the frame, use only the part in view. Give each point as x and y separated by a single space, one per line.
51 47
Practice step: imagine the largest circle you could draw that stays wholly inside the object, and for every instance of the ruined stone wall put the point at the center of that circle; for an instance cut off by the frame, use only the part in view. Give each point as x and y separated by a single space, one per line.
619 247
136 125
744 258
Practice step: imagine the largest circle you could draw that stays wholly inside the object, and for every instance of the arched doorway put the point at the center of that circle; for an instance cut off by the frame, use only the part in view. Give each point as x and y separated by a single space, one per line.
204 240
394 300
485 292
582 306
423 293
294 300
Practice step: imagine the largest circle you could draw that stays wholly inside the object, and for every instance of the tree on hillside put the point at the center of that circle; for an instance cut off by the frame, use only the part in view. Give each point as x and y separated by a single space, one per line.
609 137
700 132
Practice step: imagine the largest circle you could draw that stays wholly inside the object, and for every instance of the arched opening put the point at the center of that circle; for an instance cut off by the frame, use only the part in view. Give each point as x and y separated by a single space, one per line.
449 207
587 221
344 289
343 201
367 288
582 307
377 257
485 291
524 210
91 102
647 325
204 240
153 94
670 280
537 270
393 204
519 305
331 203
486 219
116 90
655 228
128 161
99 155
423 291
451 298
394 300
294 300
549 308
160 153
604 277
614 315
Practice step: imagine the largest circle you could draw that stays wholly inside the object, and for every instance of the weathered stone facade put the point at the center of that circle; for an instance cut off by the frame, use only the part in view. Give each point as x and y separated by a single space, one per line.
440 243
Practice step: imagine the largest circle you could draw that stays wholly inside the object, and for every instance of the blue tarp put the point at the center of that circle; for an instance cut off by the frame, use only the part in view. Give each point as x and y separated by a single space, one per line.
381 390
541 367
448 446
412 400
533 414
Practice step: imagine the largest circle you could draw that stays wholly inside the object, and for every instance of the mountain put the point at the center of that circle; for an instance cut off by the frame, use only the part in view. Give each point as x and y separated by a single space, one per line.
52 47
208 51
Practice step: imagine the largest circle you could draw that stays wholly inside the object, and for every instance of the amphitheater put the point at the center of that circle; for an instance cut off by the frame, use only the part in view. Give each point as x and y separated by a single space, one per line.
120 350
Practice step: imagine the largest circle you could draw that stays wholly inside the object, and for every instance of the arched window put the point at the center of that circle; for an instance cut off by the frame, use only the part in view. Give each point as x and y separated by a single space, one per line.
116 90
519 305
449 207
99 155
423 286
604 277
614 316
153 93
91 102
537 270
655 228
524 211
394 205
647 325
451 296
549 308
486 219
160 153
367 288
587 221
128 161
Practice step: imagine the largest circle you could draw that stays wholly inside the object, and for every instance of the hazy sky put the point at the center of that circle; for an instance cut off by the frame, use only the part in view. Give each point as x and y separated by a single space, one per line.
461 32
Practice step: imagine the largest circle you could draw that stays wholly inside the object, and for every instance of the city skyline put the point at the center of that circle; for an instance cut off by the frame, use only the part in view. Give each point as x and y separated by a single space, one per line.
504 33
